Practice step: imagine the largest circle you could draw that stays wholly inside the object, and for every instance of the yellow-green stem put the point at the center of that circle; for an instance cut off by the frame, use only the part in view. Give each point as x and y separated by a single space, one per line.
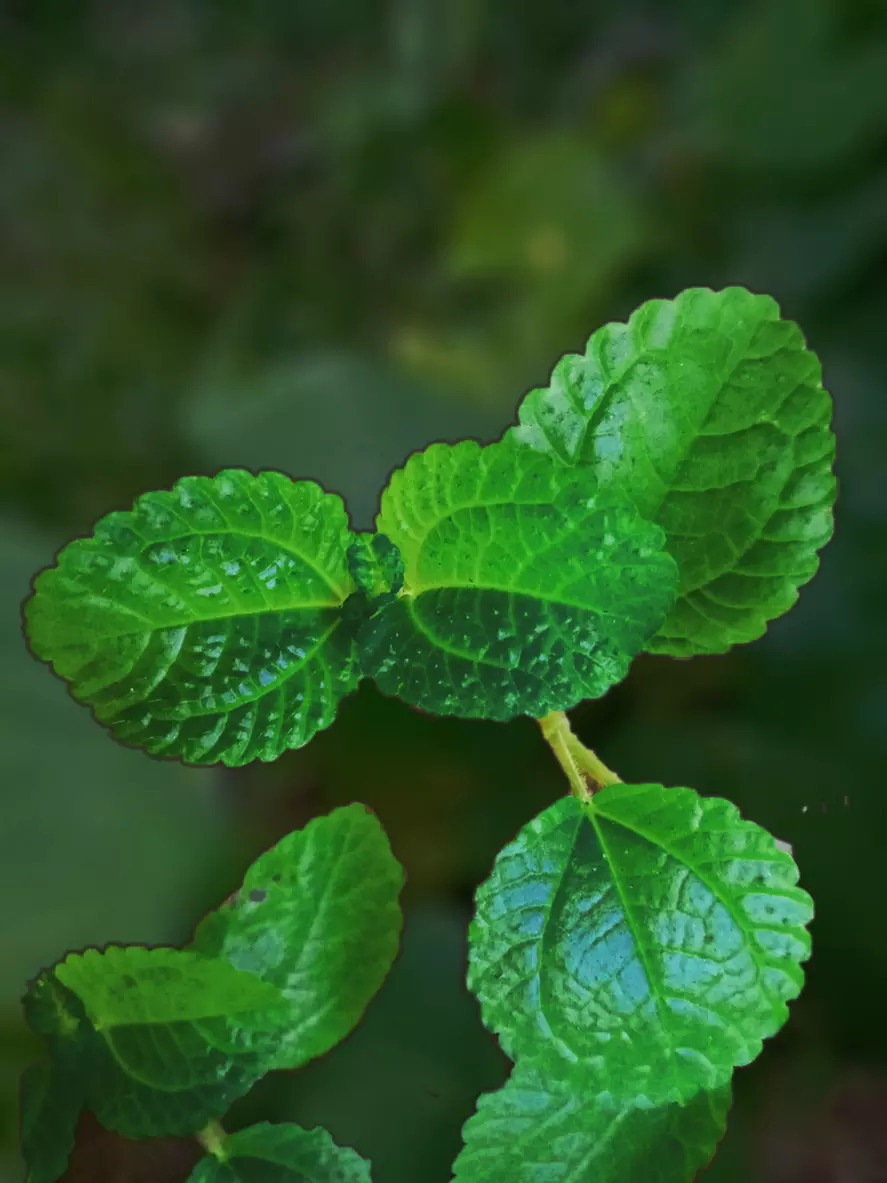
212 1138
585 772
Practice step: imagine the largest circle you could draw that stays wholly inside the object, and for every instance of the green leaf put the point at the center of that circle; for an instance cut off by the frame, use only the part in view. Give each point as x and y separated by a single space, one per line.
375 564
278 1153
708 410
317 916
648 939
172 1038
51 1102
205 623
526 588
537 1127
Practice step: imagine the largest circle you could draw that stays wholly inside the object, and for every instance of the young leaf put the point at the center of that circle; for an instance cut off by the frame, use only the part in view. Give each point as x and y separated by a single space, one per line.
206 622
709 411
51 1101
526 588
172 1038
648 940
318 917
538 1127
306 1156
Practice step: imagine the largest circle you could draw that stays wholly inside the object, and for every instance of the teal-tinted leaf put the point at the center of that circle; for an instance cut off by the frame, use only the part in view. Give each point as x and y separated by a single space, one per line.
538 1128
318 917
526 588
648 939
50 1108
172 1038
205 623
278 1153
708 410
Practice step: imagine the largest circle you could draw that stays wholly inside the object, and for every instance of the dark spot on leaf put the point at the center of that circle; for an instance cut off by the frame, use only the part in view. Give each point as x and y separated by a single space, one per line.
257 895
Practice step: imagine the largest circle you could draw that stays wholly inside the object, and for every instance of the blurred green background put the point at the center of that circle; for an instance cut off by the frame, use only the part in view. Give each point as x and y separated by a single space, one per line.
315 236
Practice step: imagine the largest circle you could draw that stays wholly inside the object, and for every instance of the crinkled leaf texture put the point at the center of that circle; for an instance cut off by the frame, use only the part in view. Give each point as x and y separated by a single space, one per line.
50 1107
526 588
278 1153
709 411
206 622
647 940
318 917
164 1040
538 1129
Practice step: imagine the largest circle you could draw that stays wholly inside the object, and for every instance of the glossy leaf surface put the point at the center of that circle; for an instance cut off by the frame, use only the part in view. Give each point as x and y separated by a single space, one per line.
318 917
537 1128
170 1039
709 411
648 940
50 1108
205 623
278 1153
526 589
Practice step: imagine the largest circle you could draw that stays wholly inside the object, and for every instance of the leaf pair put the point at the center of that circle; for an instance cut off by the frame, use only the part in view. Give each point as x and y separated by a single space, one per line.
162 1041
629 951
225 619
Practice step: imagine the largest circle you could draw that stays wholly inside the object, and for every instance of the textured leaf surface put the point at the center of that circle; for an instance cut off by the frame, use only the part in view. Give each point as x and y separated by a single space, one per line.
50 1108
537 1129
649 940
526 589
317 916
710 412
277 1153
172 1038
205 623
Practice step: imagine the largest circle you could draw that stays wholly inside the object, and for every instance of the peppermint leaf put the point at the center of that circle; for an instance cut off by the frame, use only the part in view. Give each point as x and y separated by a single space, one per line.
206 622
278 1153
526 588
318 917
537 1129
709 411
648 939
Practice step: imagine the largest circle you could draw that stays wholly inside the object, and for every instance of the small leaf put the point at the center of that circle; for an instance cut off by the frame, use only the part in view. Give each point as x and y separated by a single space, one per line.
526 588
318 917
648 939
51 1102
172 1038
205 623
709 411
537 1127
375 564
306 1156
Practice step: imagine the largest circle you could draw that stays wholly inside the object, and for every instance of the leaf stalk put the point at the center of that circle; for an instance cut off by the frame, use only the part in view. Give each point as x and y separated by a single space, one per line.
584 770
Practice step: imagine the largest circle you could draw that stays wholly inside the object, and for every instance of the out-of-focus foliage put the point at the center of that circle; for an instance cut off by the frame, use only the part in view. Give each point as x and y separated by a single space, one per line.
316 236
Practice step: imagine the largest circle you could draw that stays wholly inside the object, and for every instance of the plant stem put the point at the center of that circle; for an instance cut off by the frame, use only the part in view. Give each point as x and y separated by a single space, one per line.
213 1137
585 772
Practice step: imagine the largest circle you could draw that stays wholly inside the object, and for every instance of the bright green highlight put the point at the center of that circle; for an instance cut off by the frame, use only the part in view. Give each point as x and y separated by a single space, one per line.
278 1153
647 939
172 1038
709 412
526 588
537 1128
206 622
318 917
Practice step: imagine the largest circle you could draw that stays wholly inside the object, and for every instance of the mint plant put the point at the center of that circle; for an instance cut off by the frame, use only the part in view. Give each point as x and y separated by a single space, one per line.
667 492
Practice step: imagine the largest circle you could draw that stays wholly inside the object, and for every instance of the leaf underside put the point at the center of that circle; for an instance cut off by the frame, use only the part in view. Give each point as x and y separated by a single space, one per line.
318 917
536 1129
525 588
206 622
709 412
50 1109
647 940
